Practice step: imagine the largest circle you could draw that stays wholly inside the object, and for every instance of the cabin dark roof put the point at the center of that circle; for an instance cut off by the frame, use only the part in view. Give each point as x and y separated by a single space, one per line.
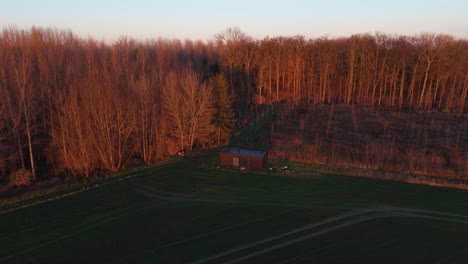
244 152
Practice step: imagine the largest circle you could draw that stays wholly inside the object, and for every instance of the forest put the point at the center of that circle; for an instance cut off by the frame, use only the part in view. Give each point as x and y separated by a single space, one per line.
73 106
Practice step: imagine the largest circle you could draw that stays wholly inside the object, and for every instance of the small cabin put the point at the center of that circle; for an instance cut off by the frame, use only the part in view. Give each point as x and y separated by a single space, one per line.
243 158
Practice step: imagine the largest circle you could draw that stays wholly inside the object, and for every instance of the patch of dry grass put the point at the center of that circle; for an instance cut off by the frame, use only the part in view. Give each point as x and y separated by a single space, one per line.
421 143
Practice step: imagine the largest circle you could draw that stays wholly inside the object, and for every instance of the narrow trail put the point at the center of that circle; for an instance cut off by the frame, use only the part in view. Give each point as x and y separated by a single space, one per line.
214 198
252 249
183 197
379 213
300 239
294 231
259 247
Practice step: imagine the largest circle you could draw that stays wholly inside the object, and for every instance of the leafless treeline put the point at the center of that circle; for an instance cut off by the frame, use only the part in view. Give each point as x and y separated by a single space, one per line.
75 106
422 72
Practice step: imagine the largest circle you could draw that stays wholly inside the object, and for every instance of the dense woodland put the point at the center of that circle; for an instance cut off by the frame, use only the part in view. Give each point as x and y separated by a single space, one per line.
74 106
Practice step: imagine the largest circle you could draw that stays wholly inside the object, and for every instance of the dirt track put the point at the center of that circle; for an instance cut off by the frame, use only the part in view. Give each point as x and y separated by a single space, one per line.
250 250
338 222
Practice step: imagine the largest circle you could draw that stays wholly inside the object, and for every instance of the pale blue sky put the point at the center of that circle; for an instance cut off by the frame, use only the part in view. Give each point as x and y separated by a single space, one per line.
202 19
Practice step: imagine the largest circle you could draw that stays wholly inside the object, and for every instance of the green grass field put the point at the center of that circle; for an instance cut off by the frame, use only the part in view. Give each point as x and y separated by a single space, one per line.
179 213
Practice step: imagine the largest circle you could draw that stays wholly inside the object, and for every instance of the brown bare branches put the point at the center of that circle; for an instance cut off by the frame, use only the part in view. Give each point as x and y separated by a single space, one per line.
187 102
76 106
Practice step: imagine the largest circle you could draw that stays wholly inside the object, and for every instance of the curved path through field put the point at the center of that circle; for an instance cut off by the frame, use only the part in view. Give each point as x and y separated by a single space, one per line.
256 248
328 225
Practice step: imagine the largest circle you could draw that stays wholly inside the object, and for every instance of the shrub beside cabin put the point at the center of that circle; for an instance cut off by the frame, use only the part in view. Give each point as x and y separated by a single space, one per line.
250 159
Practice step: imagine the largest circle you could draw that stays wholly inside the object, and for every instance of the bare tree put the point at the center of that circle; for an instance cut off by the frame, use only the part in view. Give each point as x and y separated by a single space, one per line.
229 43
431 51
247 60
187 103
20 95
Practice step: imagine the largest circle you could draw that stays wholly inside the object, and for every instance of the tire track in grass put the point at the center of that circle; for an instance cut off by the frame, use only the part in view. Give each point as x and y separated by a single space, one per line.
201 235
302 238
277 237
422 216
382 212
414 210
95 222
224 228
391 213
340 222
182 197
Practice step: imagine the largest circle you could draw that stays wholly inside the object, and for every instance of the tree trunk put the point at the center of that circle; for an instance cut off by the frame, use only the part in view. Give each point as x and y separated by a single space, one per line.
426 77
28 132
